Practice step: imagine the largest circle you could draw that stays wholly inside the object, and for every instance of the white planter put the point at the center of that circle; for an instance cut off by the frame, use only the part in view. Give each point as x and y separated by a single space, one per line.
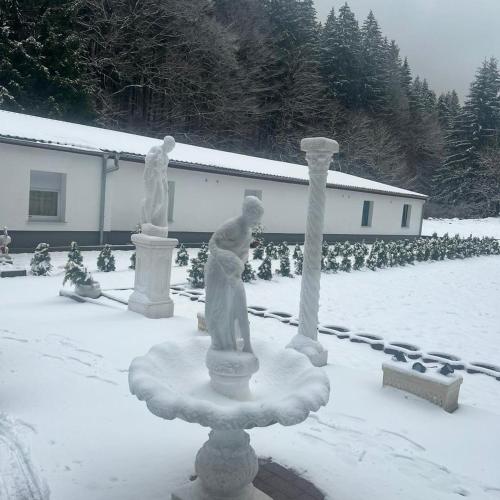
93 291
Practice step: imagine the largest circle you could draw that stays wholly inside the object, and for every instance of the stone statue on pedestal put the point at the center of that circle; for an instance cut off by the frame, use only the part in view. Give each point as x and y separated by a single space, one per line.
226 309
154 215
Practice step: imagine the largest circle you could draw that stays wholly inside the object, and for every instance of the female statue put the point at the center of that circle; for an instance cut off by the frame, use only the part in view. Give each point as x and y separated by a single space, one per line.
154 216
226 306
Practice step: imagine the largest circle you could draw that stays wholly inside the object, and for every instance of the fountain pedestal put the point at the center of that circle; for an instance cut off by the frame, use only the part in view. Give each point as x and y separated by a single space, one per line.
226 465
151 296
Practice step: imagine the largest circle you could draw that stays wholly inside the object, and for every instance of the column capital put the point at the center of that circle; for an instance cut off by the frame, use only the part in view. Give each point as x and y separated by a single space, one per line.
320 145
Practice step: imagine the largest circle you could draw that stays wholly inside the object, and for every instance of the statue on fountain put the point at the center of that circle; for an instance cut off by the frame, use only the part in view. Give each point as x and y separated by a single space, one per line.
226 308
154 215
230 356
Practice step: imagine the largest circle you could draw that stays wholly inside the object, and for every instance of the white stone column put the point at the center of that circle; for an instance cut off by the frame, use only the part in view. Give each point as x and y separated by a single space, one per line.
153 264
319 151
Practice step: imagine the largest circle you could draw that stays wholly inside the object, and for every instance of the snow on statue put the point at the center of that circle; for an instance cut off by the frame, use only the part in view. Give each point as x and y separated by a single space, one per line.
154 216
226 309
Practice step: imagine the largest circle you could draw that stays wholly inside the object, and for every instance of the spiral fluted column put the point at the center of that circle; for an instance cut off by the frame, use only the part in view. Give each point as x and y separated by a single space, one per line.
319 152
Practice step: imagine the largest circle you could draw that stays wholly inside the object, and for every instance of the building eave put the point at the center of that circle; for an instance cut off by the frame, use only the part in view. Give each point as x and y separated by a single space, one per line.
182 165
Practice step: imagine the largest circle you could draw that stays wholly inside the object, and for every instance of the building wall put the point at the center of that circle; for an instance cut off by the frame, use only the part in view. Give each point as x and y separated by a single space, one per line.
202 202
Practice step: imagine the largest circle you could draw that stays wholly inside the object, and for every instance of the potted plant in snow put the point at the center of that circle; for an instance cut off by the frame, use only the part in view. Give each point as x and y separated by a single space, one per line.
78 275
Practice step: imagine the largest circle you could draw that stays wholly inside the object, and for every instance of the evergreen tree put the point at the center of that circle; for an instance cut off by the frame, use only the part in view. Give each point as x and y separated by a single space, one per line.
248 274
298 262
76 274
297 251
106 260
264 271
258 252
74 254
196 273
331 263
271 250
283 250
40 262
132 261
42 60
182 258
284 269
203 253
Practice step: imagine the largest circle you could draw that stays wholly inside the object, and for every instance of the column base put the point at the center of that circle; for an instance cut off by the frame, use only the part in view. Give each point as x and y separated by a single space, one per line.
192 491
316 353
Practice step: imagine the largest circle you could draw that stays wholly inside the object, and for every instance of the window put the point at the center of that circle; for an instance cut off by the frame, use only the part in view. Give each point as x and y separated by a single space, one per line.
366 217
254 192
171 197
47 195
405 220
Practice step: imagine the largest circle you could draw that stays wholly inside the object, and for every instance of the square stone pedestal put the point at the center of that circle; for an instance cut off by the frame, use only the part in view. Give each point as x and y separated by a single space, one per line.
153 265
190 492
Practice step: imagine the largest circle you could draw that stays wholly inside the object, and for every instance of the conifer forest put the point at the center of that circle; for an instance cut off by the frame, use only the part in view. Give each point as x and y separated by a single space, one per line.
254 77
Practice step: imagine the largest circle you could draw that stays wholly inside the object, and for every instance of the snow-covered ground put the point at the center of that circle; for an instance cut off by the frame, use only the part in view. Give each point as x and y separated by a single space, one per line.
63 386
464 227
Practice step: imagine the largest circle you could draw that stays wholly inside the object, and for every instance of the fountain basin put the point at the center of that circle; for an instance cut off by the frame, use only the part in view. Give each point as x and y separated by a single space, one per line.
173 381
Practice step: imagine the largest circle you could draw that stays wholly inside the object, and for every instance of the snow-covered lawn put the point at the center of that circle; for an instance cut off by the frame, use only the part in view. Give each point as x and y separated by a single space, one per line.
464 227
63 376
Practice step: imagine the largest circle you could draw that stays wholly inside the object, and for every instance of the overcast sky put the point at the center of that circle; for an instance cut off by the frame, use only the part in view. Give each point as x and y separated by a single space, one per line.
445 40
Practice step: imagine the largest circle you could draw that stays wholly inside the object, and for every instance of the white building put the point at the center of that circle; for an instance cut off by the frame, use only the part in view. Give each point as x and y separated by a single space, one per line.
61 181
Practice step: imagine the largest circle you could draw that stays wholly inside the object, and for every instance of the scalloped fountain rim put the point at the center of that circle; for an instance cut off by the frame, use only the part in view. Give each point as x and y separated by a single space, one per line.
151 379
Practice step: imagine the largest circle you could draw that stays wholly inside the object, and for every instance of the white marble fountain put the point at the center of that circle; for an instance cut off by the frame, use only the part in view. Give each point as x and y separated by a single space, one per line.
239 391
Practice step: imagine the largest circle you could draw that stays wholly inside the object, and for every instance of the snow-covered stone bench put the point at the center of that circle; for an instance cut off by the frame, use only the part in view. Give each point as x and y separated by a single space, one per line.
439 389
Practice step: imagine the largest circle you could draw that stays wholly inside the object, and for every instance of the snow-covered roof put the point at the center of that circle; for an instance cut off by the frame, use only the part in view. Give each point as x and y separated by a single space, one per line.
94 139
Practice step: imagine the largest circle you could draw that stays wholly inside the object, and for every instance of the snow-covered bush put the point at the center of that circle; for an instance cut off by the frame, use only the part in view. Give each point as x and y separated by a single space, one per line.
74 254
298 262
106 260
77 274
297 251
203 253
331 264
248 273
264 271
196 273
284 269
182 258
40 262
132 261
271 250
258 251
283 249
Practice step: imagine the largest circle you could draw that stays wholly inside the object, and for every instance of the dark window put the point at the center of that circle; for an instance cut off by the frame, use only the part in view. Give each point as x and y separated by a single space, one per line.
366 218
405 219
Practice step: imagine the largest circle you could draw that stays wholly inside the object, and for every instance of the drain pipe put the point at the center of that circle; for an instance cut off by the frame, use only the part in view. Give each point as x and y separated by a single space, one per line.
105 170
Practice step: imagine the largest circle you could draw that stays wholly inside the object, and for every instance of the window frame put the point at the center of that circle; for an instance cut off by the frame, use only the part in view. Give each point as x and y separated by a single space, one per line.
406 215
369 216
61 197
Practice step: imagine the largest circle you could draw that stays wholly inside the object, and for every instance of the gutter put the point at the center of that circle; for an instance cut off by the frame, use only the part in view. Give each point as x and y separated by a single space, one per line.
105 170
202 168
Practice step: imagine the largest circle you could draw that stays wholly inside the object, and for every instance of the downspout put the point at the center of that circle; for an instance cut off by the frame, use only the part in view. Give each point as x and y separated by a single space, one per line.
422 217
105 170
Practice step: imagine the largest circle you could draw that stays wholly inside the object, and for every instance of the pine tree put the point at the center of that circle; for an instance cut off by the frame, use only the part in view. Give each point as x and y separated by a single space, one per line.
203 253
331 263
283 249
77 274
106 260
346 264
258 252
264 271
298 262
248 274
284 269
359 251
297 251
196 273
271 250
40 262
74 254
182 258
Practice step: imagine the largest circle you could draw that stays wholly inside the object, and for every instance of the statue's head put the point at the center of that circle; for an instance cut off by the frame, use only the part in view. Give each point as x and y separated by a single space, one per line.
168 144
253 210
